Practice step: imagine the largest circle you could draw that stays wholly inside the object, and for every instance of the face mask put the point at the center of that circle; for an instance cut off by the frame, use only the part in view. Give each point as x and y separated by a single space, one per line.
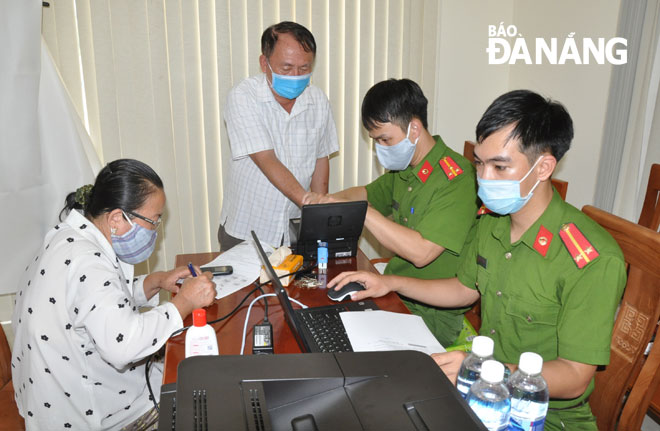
396 157
287 86
503 196
136 245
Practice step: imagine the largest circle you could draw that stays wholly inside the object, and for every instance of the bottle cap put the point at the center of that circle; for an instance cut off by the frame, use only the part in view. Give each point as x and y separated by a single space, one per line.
482 346
492 371
199 317
530 363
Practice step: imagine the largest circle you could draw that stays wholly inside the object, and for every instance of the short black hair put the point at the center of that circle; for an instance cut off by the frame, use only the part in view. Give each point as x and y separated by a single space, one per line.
395 101
541 125
299 33
123 183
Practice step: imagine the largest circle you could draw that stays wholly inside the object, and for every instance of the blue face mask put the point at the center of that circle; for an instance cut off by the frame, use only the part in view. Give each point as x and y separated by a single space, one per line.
136 245
503 196
396 157
287 86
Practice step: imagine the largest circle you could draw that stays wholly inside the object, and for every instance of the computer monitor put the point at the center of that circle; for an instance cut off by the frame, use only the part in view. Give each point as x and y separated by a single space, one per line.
395 390
339 224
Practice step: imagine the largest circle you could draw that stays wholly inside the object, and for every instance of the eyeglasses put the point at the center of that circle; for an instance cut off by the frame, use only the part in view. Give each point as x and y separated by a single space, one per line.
155 224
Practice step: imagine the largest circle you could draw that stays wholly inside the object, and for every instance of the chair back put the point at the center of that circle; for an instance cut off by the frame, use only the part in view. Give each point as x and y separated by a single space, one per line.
637 317
650 215
5 359
560 185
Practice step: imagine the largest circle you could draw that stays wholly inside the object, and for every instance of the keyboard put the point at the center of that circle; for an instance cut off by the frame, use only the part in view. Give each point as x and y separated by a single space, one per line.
326 329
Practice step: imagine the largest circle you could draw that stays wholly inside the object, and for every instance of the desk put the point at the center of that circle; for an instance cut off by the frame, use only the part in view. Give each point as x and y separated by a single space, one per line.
229 331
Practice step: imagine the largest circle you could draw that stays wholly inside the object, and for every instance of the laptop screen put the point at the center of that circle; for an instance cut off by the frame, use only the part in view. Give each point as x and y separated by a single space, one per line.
339 224
282 296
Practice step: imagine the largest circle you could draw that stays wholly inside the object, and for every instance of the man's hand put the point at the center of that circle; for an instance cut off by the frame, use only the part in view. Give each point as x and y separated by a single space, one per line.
196 292
311 198
375 285
450 363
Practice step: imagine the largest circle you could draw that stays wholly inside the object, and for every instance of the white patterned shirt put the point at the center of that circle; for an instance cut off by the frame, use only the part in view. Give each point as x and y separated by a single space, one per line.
80 339
257 122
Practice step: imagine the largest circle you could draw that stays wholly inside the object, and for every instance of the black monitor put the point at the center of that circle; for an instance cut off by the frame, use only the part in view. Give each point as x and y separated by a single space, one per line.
396 390
339 224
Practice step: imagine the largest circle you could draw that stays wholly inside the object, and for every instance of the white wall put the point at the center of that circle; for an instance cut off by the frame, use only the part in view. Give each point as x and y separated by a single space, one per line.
583 89
467 84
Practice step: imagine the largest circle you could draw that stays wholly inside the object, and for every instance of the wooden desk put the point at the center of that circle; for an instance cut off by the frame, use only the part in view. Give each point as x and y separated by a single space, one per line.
230 330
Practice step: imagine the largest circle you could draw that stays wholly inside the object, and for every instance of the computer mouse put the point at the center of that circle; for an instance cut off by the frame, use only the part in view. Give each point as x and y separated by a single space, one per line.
345 291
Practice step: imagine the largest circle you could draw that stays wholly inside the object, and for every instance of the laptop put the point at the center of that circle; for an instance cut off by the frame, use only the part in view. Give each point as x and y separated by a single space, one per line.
316 329
339 224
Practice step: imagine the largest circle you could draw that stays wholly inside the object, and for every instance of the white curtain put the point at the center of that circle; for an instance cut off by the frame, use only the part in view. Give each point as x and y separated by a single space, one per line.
642 143
150 79
42 143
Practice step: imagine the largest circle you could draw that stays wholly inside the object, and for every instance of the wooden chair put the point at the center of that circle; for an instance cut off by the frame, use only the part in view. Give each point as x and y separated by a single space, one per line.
10 419
625 387
650 215
560 185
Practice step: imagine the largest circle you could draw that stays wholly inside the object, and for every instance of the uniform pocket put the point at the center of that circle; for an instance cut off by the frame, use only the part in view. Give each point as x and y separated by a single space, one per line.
533 313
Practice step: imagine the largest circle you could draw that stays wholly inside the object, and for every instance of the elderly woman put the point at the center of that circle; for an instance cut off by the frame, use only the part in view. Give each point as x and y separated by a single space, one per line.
81 339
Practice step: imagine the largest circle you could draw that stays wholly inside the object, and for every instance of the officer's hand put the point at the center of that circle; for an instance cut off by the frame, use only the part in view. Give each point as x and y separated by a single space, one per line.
375 285
196 292
450 363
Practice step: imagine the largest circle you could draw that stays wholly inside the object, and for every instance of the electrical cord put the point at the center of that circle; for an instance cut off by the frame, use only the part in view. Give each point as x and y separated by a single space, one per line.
258 286
247 316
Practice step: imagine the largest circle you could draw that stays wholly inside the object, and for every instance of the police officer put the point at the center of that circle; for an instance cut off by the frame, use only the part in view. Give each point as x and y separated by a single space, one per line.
429 192
549 277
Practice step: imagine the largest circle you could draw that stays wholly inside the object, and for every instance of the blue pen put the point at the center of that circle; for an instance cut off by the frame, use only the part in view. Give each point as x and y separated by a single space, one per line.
192 270
412 210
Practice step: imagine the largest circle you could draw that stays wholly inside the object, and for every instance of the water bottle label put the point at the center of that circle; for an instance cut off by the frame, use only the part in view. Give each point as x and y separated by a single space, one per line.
517 424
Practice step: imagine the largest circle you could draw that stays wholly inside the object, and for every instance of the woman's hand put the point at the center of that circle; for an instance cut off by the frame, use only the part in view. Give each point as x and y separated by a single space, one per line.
171 277
196 292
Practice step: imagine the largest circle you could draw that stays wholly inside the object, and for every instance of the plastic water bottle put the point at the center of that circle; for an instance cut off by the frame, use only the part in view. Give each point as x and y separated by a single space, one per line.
489 397
201 338
482 350
529 394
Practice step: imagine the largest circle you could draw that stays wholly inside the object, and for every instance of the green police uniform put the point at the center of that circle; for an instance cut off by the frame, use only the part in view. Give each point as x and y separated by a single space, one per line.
436 198
553 292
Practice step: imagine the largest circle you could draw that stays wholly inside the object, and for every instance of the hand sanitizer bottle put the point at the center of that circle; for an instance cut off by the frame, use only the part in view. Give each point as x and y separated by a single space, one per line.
201 338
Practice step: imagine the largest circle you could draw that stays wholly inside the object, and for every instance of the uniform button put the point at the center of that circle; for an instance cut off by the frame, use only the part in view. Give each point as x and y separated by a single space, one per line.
476 284
405 219
507 255
410 188
492 332
499 293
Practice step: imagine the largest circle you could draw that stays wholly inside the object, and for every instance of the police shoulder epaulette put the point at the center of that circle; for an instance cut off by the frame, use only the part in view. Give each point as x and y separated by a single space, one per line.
450 167
580 249
483 210
425 171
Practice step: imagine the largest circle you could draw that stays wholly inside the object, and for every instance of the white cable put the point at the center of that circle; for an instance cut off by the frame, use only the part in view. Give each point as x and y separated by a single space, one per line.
247 316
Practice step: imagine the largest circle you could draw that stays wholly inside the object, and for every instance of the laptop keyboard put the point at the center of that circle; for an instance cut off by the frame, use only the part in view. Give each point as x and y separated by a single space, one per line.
326 328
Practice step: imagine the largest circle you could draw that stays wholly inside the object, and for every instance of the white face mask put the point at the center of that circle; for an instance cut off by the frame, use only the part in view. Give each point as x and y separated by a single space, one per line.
397 157
503 196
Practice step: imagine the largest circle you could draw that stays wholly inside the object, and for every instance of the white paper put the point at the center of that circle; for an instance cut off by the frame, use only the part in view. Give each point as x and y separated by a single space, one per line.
244 260
380 330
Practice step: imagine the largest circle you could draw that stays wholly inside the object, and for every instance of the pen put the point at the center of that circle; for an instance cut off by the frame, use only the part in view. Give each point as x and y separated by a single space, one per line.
192 270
